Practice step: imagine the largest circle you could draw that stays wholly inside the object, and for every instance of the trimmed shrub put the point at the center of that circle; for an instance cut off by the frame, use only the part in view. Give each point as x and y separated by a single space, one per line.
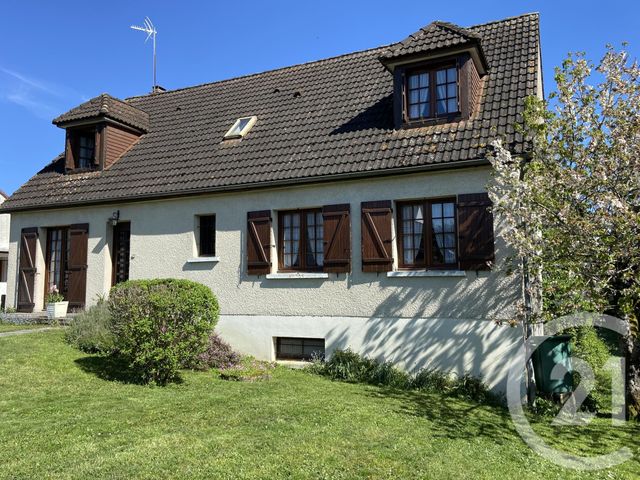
218 354
90 331
161 326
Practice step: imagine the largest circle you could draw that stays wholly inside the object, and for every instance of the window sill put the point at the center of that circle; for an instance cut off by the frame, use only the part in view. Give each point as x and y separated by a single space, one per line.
426 273
203 260
296 275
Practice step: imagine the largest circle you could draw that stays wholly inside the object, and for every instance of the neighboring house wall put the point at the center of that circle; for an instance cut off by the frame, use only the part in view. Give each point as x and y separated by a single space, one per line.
443 322
5 221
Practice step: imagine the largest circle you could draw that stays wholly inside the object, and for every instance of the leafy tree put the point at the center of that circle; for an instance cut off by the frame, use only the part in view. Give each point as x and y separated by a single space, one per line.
572 206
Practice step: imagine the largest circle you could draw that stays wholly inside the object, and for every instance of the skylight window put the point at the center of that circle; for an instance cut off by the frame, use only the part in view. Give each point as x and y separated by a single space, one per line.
241 127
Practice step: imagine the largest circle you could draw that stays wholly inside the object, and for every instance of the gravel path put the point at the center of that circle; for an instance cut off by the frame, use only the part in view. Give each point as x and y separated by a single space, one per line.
22 332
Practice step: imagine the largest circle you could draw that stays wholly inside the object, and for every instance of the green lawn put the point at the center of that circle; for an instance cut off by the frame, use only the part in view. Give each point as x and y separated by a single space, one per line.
10 327
63 416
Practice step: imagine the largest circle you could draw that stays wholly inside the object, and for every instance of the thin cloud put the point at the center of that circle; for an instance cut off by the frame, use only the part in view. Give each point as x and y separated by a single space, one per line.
43 99
30 82
37 107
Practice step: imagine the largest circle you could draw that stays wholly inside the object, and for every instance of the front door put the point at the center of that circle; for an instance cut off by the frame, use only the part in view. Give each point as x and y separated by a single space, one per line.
121 252
66 257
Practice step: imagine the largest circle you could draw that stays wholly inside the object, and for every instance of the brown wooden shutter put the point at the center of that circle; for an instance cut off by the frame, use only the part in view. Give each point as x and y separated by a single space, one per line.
398 96
77 265
69 161
97 147
27 269
337 238
376 236
475 231
259 242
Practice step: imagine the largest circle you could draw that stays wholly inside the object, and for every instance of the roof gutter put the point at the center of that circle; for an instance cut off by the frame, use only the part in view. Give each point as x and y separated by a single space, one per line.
255 186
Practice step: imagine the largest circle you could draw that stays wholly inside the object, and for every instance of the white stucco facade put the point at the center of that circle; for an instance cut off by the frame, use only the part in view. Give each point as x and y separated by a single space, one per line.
446 322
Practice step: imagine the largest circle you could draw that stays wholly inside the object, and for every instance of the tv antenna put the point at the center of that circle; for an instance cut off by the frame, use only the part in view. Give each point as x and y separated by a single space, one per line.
151 32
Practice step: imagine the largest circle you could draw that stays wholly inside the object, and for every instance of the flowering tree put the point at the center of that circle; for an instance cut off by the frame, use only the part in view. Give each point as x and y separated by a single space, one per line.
572 206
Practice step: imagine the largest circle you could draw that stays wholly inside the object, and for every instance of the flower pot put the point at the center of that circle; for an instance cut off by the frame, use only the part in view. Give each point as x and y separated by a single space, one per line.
57 310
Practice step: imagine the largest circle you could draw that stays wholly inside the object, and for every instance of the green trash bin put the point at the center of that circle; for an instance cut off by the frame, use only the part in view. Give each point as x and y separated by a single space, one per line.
553 351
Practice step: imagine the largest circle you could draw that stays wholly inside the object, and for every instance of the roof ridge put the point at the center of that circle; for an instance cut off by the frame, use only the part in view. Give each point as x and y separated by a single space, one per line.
249 75
311 62
506 19
456 28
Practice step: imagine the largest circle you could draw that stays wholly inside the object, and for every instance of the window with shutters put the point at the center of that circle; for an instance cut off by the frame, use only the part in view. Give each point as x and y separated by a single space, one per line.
206 235
82 151
66 262
301 237
427 234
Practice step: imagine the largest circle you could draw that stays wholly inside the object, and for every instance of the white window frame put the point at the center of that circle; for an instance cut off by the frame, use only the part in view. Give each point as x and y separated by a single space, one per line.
235 132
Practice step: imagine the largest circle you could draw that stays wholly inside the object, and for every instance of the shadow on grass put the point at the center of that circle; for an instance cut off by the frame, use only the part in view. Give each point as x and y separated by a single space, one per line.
456 418
110 368
452 417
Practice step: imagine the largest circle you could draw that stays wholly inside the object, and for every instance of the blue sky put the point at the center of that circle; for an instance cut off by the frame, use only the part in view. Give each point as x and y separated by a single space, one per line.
54 55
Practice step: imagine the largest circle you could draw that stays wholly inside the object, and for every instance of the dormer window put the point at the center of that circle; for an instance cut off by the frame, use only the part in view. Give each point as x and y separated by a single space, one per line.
432 92
82 152
437 75
99 132
86 149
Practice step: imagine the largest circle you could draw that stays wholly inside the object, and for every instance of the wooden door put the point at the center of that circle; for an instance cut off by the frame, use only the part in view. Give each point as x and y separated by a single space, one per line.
121 252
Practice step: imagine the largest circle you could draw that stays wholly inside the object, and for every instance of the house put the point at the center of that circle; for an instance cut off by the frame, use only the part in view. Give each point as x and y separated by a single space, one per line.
4 250
338 203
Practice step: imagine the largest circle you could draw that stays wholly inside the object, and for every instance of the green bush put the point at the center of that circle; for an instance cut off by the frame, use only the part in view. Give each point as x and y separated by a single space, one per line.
161 326
90 331
433 380
590 347
472 388
385 374
348 366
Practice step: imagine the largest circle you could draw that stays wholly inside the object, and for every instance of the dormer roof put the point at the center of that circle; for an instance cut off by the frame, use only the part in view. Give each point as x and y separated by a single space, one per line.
105 106
436 37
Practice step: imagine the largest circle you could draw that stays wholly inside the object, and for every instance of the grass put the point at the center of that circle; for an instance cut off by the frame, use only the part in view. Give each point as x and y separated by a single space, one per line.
64 414
10 327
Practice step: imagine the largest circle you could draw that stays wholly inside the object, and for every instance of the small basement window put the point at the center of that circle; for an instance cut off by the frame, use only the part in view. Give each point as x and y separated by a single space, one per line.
241 127
288 348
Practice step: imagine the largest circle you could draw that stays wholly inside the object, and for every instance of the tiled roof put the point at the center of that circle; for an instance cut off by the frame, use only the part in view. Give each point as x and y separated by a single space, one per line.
435 36
105 105
316 121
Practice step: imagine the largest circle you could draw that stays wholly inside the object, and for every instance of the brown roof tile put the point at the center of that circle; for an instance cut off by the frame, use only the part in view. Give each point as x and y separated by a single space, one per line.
105 105
340 124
